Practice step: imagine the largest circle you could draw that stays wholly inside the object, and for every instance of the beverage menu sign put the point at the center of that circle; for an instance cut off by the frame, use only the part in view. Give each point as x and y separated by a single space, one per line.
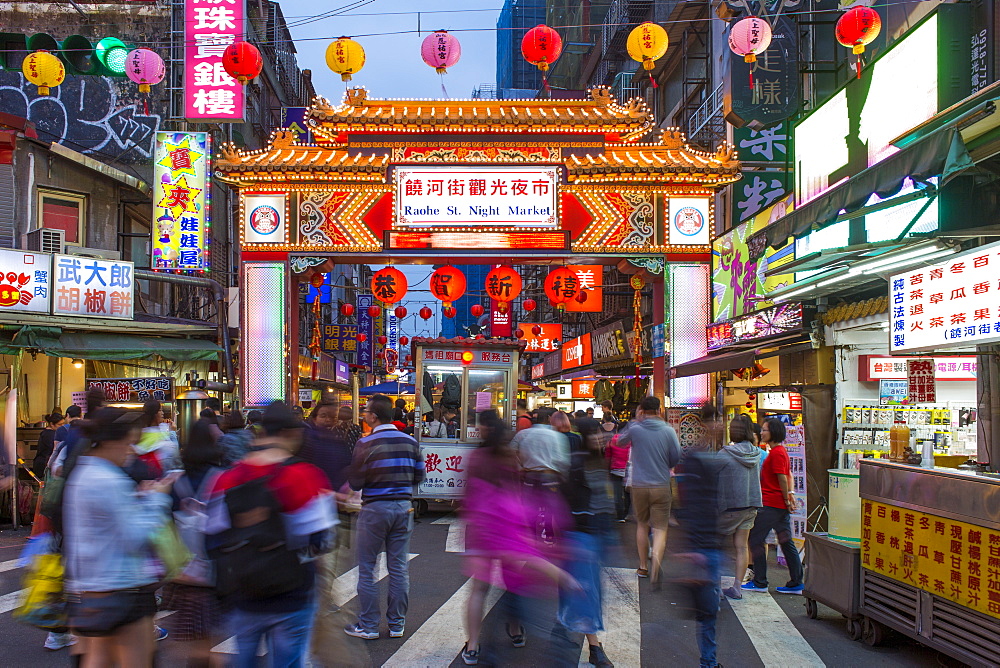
954 303
477 196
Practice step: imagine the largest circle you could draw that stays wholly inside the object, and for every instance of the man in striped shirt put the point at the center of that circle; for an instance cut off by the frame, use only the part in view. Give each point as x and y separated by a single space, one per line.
386 467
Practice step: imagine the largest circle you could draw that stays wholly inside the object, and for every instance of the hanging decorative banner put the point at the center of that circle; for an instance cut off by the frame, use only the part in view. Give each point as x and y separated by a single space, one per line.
265 214
591 276
689 221
365 330
210 92
180 201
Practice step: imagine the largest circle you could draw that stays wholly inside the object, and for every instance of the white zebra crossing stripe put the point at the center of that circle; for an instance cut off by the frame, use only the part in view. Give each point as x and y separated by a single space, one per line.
622 639
344 588
456 533
440 639
10 601
8 565
777 641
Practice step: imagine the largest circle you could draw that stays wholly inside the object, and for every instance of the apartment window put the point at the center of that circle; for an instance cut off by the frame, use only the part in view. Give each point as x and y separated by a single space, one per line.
64 211
134 239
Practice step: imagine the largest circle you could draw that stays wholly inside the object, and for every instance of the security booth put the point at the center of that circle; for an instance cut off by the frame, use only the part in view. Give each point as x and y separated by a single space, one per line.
457 380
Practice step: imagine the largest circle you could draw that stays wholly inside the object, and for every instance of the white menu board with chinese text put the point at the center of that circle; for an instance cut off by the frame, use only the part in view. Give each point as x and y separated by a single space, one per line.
954 303
92 287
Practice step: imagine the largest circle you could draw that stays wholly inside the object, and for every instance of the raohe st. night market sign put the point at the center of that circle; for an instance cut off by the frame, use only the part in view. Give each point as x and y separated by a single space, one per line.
477 196
954 303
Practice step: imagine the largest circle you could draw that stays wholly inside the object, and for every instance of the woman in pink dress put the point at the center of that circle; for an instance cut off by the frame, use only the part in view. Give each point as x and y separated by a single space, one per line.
498 529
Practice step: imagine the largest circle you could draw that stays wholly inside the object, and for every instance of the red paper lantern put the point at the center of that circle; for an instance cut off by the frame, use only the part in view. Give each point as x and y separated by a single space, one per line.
541 46
857 27
503 284
242 61
536 330
389 285
449 311
362 337
317 280
519 333
373 311
426 313
400 312
447 284
476 310
347 310
382 339
581 296
561 285
408 358
404 340
529 304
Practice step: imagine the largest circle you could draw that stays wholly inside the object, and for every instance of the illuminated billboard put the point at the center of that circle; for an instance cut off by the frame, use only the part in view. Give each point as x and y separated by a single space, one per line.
180 201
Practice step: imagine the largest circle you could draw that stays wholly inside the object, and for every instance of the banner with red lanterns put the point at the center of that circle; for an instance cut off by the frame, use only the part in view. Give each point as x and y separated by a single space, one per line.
591 277
541 338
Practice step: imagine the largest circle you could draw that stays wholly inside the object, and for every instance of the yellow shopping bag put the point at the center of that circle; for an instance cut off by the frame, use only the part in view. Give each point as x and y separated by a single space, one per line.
43 605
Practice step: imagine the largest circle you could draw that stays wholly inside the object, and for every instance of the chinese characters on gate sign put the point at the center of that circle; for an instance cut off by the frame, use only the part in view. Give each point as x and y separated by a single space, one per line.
87 286
180 201
949 304
209 92
477 196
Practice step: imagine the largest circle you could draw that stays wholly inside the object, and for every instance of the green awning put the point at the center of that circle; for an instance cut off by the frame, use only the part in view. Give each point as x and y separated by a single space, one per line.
941 154
105 347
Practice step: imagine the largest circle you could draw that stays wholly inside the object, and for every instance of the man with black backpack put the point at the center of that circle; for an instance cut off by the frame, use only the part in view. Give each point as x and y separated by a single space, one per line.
268 518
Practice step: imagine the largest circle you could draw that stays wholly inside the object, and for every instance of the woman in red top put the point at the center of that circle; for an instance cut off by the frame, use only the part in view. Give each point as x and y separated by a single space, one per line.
778 497
617 456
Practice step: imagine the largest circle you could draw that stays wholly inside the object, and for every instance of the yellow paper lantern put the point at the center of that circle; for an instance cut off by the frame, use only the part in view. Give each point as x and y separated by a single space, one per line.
44 70
345 57
647 43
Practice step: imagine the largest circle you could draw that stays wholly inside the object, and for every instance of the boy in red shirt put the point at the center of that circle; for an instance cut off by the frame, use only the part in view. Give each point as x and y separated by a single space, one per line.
779 503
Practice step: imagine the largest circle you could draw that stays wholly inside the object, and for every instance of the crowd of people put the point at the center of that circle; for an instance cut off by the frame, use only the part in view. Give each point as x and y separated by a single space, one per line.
268 509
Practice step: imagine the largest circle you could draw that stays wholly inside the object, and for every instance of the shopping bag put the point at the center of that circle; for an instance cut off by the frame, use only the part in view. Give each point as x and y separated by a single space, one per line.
170 550
43 605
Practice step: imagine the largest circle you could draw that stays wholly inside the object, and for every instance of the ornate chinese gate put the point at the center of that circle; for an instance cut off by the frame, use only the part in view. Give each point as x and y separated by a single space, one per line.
525 181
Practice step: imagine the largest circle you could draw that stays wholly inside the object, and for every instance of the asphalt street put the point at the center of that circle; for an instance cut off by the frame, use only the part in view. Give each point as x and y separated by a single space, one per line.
645 627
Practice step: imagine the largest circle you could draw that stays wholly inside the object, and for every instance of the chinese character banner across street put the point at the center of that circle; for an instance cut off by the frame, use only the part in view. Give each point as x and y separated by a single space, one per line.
953 303
180 201
88 286
209 92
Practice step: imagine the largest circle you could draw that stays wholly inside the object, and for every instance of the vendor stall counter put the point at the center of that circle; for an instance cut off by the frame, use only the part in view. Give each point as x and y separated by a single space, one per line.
457 380
930 558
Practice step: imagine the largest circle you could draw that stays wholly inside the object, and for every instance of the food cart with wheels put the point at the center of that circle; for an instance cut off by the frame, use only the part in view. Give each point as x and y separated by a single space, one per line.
457 380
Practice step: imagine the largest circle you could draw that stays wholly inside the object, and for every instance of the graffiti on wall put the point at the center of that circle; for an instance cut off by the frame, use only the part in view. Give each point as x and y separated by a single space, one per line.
90 114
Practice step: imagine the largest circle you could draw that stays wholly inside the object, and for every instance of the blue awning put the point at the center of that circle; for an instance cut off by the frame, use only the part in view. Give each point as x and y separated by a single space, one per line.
393 388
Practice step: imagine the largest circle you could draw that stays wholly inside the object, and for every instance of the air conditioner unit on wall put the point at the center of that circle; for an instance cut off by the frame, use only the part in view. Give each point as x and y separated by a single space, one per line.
99 253
45 240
